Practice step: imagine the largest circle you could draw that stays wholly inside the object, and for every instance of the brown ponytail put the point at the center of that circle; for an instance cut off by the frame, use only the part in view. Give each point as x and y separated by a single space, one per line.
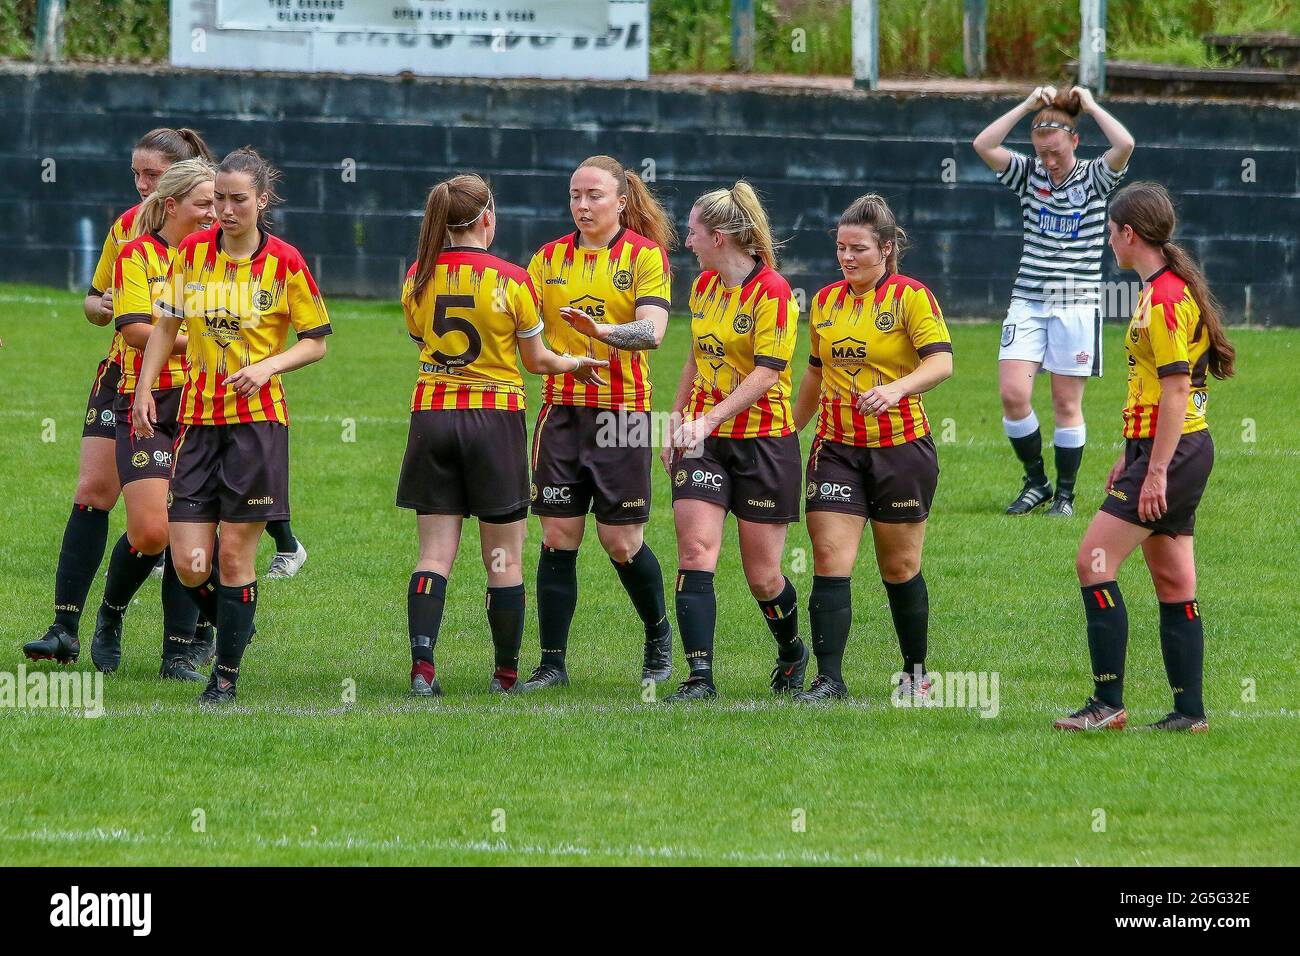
176 144
1060 114
452 206
873 212
1147 209
261 174
643 214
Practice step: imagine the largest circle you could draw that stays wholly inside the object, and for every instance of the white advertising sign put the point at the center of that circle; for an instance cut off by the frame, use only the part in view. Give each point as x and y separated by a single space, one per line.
620 52
528 17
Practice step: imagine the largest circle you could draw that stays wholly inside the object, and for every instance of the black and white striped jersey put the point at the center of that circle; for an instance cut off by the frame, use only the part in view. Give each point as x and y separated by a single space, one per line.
1064 229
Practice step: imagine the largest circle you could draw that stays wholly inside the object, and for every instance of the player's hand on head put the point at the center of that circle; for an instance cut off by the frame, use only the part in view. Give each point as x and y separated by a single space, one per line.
1086 99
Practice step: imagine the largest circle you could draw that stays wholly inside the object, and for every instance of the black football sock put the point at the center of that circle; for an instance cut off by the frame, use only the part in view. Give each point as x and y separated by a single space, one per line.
1107 640
84 539
1068 458
180 613
557 598
782 616
1028 446
424 603
282 534
127 570
505 614
909 606
1182 643
644 582
236 606
697 614
830 614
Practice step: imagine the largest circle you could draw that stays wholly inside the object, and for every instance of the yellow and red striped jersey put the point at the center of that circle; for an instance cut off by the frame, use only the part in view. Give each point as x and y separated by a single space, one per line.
1166 336
735 329
861 341
119 234
138 277
608 283
468 321
238 312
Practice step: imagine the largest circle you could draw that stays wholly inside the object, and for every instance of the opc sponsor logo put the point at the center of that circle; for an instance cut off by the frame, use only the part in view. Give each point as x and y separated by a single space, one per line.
706 479
835 491
163 458
557 493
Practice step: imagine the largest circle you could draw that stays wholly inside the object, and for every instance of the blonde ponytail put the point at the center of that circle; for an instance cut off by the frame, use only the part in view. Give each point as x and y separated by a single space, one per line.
175 183
738 212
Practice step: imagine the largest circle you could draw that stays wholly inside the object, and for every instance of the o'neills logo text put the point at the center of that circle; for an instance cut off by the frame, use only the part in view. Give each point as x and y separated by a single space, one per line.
103 909
268 500
638 503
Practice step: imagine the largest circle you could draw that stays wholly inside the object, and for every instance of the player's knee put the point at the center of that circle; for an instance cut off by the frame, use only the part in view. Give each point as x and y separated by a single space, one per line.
1090 565
96 491
898 569
763 585
1067 409
189 576
693 553
147 537
621 549
561 538
827 556
1172 584
1015 406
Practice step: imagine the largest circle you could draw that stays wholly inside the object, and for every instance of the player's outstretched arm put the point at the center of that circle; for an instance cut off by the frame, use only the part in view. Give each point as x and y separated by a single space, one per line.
989 142
1120 139
540 360
644 333
249 379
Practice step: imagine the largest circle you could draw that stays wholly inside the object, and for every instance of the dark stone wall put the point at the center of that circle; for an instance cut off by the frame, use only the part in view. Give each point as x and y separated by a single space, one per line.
1233 168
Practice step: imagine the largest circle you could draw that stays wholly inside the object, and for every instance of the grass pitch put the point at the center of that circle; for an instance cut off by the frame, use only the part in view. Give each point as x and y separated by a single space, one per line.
300 774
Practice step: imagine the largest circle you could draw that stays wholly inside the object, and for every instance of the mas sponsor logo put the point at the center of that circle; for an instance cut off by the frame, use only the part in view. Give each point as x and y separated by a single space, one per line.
590 304
711 345
622 280
848 351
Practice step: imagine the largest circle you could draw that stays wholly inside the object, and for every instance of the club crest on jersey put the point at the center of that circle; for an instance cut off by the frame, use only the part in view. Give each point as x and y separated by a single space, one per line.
1082 358
170 499
885 321
90 416
743 323
262 300
622 280
812 490
532 491
1076 195
679 479
1008 335
140 459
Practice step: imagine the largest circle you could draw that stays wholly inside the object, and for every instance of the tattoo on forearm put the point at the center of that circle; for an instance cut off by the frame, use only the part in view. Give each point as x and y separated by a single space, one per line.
633 335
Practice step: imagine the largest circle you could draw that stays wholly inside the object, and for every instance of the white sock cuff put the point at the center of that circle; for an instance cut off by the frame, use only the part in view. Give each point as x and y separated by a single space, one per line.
1075 437
1026 426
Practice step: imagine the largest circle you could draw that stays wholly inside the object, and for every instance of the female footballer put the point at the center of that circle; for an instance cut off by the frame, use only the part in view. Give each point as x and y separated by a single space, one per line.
238 289
1054 322
467 450
605 293
1175 339
180 204
736 448
878 342
86 534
